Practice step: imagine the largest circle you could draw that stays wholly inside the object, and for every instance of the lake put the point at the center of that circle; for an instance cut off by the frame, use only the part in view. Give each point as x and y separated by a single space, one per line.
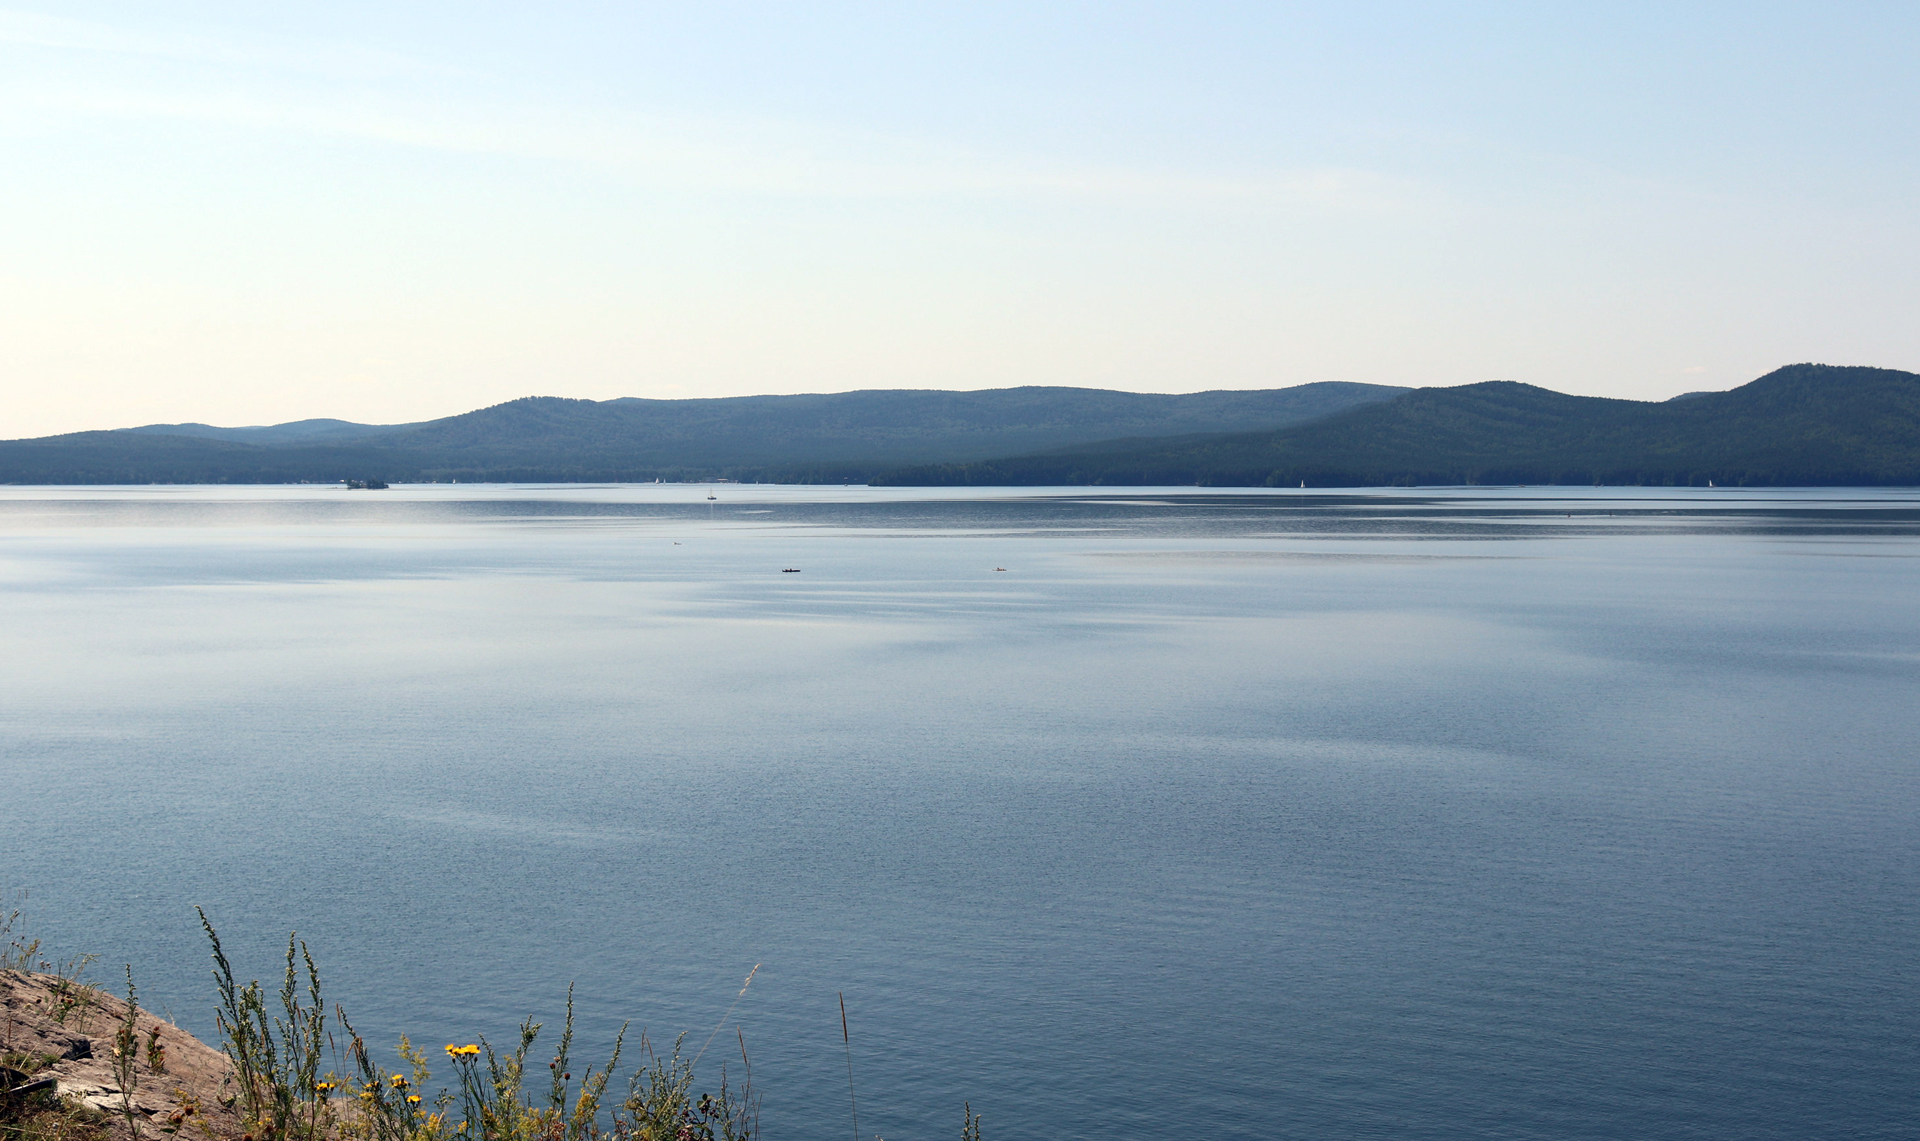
1470 813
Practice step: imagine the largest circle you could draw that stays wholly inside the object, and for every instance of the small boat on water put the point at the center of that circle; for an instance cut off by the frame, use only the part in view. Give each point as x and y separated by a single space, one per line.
789 570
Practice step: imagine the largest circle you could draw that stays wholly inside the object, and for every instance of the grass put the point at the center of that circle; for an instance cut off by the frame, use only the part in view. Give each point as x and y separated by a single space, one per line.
283 1095
44 1117
303 1073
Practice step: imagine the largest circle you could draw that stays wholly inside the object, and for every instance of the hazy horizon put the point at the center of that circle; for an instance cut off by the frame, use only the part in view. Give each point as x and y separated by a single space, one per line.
238 215
607 399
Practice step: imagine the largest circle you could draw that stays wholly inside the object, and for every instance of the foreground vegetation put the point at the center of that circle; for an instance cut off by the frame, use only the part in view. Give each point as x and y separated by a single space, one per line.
295 1071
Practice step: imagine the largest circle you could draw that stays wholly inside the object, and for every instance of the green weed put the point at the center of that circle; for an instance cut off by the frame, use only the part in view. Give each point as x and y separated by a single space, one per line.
276 1058
126 1048
283 1096
20 953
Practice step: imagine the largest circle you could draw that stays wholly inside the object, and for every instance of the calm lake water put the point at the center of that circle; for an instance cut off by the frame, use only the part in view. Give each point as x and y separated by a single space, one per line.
1537 813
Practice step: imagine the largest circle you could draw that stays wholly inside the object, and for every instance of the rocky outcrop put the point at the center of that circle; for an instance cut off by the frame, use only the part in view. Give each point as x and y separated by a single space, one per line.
56 1029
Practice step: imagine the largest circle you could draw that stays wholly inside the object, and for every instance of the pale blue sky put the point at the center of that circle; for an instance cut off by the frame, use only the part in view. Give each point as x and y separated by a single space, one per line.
247 213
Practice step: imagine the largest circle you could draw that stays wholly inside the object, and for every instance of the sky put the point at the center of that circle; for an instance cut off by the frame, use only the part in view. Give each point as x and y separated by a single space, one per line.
245 213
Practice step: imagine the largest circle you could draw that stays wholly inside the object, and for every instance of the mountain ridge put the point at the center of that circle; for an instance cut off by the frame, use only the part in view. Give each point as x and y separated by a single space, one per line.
840 437
289 432
1808 424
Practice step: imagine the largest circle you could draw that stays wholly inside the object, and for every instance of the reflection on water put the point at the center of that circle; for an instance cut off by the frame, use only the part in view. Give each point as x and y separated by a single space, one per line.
1525 812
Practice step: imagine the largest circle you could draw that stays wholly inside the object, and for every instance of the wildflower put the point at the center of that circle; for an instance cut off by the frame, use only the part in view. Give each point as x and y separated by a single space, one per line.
413 1099
399 1081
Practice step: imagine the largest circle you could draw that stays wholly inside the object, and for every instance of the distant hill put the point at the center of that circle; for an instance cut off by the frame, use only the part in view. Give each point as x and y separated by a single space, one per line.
841 437
297 431
1801 425
1805 424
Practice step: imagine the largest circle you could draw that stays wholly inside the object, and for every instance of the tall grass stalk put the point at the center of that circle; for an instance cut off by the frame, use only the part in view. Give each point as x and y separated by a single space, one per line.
276 1058
846 1040
126 1047
722 1024
20 953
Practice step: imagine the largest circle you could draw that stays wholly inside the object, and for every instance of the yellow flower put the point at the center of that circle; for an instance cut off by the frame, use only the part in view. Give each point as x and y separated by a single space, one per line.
399 1081
413 1099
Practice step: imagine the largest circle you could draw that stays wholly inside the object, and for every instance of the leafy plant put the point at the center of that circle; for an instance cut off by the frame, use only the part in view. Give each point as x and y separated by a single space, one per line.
660 1105
276 1059
390 1106
497 1105
70 993
156 1050
126 1049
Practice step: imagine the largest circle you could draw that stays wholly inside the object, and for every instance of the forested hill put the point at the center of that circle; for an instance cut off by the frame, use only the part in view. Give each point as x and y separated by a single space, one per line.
1804 424
842 437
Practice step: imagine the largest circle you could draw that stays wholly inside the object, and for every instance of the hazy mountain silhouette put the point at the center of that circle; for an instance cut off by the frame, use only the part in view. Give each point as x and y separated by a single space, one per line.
1804 424
296 431
842 436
